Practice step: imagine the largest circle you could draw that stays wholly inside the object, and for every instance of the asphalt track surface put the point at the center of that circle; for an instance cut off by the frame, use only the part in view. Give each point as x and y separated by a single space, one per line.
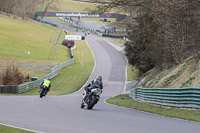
62 114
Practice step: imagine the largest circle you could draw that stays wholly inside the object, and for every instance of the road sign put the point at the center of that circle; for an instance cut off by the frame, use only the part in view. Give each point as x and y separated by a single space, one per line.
82 15
74 37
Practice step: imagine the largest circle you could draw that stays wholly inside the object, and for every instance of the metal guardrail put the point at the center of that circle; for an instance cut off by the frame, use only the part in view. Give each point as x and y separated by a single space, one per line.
9 89
98 32
54 72
174 97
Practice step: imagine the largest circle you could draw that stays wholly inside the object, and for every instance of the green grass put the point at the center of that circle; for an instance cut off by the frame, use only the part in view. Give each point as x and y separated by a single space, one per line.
74 76
72 6
118 40
6 129
188 82
174 76
126 101
132 73
18 37
75 6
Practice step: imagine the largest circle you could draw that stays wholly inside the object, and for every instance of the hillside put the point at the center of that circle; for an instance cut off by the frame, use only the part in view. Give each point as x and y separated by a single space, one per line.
186 74
71 6
29 45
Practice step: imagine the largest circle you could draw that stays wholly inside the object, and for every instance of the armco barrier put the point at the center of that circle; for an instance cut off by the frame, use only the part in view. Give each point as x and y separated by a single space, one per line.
174 97
112 36
54 72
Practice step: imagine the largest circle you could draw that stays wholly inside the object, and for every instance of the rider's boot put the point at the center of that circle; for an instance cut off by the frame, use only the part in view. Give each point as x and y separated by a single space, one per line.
84 98
82 105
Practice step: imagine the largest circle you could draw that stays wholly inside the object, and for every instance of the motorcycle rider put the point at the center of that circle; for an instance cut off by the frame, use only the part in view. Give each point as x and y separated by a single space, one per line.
46 83
96 83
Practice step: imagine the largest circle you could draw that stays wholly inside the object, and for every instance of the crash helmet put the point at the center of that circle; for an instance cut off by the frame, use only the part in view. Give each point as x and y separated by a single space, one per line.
46 79
99 78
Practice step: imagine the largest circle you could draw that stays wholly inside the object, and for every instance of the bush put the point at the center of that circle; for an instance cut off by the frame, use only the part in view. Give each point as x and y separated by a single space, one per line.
12 76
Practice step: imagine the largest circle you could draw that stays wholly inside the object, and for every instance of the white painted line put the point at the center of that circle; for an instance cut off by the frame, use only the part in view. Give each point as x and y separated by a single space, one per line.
20 128
82 57
119 49
125 78
116 47
123 90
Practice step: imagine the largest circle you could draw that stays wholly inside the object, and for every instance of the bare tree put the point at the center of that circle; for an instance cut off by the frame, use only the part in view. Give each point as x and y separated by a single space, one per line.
160 31
25 8
46 5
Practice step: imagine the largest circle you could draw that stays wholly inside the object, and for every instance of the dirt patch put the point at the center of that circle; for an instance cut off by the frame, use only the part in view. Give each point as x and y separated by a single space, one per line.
26 66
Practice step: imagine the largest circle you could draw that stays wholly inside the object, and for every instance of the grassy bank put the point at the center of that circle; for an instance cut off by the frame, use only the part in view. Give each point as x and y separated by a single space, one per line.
132 73
29 40
71 6
74 76
29 45
6 129
126 101
184 74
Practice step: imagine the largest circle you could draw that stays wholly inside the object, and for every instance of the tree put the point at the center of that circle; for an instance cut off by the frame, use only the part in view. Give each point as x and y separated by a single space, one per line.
46 4
25 8
160 31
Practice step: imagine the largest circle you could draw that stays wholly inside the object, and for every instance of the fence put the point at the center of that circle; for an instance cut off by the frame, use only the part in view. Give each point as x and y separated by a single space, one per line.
174 97
98 32
54 72
9 89
44 21
112 36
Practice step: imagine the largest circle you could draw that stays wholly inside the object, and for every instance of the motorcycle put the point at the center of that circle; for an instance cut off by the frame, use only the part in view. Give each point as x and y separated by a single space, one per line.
92 98
43 90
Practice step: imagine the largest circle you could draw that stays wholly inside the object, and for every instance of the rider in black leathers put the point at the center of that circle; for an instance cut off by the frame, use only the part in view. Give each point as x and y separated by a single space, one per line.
96 83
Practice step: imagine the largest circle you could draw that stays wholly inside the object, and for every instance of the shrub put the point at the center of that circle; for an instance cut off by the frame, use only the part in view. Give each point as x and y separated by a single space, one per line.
12 76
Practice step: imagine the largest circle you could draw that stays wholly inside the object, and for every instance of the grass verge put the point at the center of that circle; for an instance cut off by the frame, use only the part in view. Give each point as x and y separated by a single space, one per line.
6 129
125 101
71 6
74 76
30 40
117 40
132 73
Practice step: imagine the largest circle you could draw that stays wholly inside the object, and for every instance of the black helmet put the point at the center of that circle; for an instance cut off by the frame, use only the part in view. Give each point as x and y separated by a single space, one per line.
99 78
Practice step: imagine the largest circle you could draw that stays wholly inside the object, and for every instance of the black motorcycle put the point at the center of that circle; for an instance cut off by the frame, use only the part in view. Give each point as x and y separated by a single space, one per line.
92 98
43 90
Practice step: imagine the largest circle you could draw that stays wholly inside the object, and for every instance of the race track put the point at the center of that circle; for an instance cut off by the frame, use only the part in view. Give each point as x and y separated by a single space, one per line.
62 114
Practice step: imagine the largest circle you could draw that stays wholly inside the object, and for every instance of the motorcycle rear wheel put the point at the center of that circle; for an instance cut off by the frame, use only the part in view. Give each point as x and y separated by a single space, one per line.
42 93
93 102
